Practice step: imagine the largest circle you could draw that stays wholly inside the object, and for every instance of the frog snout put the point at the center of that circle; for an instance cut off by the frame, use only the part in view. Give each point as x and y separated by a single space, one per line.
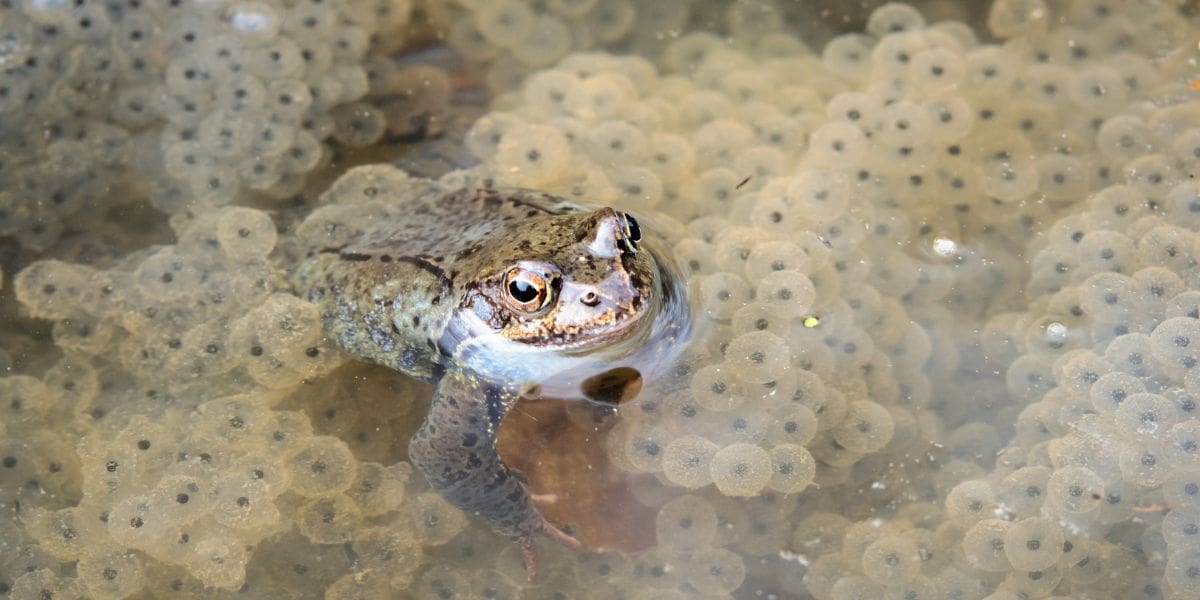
585 300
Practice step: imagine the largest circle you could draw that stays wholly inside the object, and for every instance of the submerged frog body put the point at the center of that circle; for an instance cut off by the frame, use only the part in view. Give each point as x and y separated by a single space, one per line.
489 293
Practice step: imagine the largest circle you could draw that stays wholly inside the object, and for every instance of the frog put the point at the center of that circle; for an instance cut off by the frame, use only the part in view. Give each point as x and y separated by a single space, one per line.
492 295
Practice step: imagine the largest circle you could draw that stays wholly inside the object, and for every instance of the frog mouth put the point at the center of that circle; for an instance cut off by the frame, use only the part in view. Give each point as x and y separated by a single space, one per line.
606 328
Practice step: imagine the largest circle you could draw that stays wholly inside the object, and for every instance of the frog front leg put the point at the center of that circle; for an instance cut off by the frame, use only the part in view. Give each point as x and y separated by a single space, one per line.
456 451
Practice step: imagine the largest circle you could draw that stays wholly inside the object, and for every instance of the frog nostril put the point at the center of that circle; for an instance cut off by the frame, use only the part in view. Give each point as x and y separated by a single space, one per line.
590 299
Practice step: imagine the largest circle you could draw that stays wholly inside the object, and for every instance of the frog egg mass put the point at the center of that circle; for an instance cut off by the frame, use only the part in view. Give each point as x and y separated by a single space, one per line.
910 292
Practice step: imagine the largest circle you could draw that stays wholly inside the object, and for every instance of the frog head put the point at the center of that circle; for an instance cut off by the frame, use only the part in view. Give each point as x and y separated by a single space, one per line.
567 282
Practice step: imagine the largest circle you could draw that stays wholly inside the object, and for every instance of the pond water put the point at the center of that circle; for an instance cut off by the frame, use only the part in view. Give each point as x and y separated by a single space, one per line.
941 263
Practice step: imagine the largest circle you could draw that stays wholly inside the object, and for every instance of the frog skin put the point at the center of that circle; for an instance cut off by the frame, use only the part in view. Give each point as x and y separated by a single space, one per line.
489 293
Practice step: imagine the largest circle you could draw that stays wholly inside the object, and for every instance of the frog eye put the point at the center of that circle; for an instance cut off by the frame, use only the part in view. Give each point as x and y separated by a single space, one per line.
632 231
526 290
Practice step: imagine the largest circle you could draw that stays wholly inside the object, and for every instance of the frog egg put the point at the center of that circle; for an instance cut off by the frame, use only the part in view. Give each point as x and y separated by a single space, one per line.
1130 353
950 118
443 581
1032 584
1171 343
1181 528
610 20
270 140
1145 463
379 489
789 293
1079 371
546 91
184 498
1063 178
694 256
671 156
856 108
241 94
1185 148
218 562
1158 285
849 56
330 520
1024 490
51 289
762 163
686 523
849 587
775 217
736 245
136 522
866 428
835 145
1073 490
225 134
167 275
1184 438
741 469
1098 90
991 68
600 97
892 560
111 575
288 435
1183 572
793 468
983 545
1153 175
548 41
483 139
776 256
894 17
63 534
792 423
720 143
715 387
533 154
246 234
323 466
1144 416
936 70
358 124
1033 544
642 447
721 294
757 356
904 125
637 187
971 501
1183 204
713 571
388 549
1123 138
36 582
1182 486
617 143
434 520
686 459
819 195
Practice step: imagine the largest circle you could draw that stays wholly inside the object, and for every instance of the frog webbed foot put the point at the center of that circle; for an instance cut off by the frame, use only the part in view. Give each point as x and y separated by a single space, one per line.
456 451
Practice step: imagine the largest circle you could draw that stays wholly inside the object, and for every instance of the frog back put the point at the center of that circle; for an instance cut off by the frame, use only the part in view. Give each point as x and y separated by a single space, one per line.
388 295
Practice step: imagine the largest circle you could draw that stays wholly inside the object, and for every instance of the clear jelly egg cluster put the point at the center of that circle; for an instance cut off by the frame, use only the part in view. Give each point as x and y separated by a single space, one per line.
175 433
947 324
183 104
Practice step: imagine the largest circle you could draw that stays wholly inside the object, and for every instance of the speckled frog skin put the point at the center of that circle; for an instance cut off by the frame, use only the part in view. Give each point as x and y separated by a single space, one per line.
487 293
